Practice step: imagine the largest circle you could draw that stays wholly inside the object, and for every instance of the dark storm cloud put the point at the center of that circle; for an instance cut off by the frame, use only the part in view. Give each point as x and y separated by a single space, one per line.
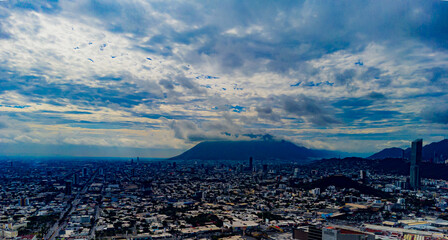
345 77
313 110
436 114
189 84
376 95
266 112
437 76
167 84
289 33
370 107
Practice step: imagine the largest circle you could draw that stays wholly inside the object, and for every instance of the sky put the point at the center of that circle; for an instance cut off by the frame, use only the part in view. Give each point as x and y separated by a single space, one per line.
153 78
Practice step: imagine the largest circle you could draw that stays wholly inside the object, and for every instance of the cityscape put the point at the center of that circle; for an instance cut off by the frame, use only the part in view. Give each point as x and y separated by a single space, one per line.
190 199
223 120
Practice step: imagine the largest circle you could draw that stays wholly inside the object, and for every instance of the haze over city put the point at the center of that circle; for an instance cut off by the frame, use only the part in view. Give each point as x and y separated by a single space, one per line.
154 78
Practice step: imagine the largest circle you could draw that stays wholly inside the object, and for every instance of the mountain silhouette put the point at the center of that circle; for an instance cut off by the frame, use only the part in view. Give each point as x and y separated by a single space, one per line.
388 153
242 150
438 150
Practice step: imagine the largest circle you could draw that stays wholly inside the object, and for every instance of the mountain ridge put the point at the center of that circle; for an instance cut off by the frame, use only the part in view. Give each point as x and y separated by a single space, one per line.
429 151
242 150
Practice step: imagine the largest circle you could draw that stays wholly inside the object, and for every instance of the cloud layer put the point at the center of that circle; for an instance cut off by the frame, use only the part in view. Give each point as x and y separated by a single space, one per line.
344 75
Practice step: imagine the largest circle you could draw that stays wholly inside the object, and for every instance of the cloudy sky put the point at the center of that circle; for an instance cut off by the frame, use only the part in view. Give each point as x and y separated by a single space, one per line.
153 78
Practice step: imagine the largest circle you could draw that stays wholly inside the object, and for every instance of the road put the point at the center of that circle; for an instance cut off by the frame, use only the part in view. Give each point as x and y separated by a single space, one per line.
56 228
97 215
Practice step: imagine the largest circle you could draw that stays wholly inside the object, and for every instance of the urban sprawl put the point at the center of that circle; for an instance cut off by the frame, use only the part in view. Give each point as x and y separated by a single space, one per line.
165 199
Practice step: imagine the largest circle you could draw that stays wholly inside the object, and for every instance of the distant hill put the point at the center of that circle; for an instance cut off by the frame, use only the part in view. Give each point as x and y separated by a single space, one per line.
388 153
437 149
340 181
259 150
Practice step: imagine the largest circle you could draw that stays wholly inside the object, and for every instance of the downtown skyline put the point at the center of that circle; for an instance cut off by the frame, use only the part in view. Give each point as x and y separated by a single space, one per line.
156 78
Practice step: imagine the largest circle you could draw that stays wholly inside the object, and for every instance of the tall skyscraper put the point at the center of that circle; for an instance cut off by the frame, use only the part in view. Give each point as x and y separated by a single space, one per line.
23 201
362 174
84 172
68 187
75 179
416 158
251 164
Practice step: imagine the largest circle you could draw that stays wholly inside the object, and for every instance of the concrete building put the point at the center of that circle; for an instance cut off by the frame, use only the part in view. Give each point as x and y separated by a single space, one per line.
416 158
332 233
309 232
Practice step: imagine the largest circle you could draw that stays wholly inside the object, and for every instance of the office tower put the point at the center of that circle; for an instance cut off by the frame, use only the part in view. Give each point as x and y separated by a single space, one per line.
174 164
416 158
362 174
132 161
68 187
265 168
84 171
251 164
75 179
23 201
101 171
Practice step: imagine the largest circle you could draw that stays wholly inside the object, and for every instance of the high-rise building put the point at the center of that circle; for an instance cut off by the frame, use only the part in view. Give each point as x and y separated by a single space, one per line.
251 164
23 201
416 158
68 187
75 179
84 171
265 168
362 174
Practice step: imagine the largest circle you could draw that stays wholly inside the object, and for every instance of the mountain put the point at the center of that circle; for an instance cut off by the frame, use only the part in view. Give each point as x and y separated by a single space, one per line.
259 150
388 153
439 150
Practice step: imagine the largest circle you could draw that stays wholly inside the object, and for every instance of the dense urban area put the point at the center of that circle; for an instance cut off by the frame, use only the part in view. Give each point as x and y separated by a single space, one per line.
164 199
